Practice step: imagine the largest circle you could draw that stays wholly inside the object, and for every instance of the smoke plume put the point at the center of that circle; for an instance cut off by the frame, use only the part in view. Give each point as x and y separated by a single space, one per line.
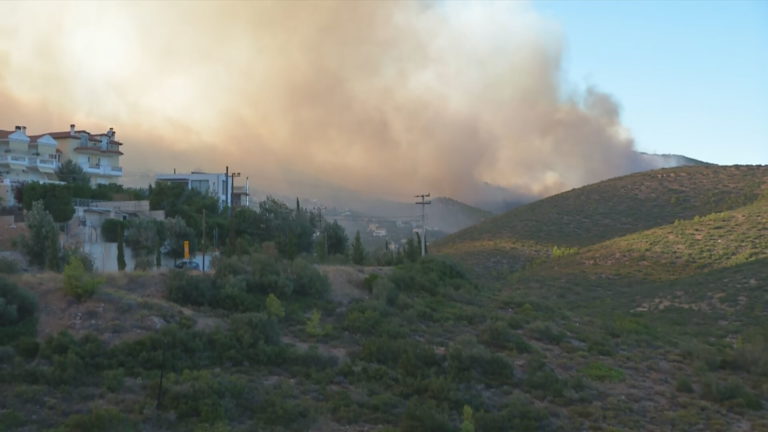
390 98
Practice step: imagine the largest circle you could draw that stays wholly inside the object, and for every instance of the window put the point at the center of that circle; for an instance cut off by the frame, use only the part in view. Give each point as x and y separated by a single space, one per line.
201 186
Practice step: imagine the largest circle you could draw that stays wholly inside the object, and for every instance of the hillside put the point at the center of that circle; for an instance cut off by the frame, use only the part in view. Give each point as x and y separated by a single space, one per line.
598 212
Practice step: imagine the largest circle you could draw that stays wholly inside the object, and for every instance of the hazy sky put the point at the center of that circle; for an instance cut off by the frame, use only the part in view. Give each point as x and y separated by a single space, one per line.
393 98
690 75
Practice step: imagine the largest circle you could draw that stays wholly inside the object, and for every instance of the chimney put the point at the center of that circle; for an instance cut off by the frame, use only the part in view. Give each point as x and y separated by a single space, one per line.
72 129
24 130
17 128
111 133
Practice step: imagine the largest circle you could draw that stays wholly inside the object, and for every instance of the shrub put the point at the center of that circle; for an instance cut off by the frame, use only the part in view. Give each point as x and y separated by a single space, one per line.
684 385
313 327
423 415
202 396
106 419
77 282
190 289
308 281
519 415
601 372
369 282
429 275
468 360
274 307
27 347
8 266
558 252
731 392
17 312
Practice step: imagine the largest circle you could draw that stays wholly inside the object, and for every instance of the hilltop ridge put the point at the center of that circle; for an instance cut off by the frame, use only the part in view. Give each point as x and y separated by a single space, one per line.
605 210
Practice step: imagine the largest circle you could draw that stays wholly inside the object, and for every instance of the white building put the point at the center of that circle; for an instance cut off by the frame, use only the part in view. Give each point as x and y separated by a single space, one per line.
26 158
213 184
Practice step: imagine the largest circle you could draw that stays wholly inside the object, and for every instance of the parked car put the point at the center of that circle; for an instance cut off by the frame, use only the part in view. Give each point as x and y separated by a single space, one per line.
188 265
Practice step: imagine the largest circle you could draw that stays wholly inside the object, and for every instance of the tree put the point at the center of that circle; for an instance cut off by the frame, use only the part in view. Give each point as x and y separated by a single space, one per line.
336 238
412 251
110 229
57 199
42 246
358 251
143 238
176 232
120 248
71 173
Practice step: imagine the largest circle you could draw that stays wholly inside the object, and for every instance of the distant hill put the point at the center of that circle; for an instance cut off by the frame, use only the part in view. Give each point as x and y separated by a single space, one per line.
605 210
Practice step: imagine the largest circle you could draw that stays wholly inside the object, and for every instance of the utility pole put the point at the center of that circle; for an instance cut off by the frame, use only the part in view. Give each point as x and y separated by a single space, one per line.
423 203
231 189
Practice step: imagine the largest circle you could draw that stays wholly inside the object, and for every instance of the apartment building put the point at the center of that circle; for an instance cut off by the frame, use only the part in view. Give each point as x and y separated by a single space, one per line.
26 158
218 185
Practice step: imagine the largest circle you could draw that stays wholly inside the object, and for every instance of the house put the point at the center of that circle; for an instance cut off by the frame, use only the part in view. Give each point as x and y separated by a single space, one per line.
27 158
214 184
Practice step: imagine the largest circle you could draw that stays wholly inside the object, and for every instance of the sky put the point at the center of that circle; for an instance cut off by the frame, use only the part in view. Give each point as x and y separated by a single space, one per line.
690 75
474 100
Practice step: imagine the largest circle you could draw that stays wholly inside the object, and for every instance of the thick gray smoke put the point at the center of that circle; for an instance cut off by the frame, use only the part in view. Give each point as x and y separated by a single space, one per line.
389 98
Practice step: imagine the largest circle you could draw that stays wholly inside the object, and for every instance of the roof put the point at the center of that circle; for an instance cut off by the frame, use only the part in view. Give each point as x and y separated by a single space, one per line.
76 135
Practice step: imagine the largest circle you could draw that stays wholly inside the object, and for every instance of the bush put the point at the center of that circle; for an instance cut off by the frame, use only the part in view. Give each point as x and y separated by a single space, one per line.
98 420
430 275
601 372
77 282
27 347
9 266
423 415
274 307
190 289
17 312
308 281
468 360
202 396
518 415
731 392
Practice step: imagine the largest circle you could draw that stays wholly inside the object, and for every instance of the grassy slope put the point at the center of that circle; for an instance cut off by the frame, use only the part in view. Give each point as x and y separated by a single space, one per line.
676 313
602 211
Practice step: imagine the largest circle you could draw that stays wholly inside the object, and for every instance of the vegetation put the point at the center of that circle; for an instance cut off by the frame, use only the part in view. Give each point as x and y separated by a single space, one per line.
358 251
56 199
662 328
42 245
77 282
72 173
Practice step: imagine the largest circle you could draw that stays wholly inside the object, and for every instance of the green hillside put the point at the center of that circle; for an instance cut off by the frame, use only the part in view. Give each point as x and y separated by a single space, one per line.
672 321
660 327
604 210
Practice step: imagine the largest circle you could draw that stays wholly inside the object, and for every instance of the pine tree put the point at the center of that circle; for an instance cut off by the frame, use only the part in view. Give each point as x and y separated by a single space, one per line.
358 251
120 249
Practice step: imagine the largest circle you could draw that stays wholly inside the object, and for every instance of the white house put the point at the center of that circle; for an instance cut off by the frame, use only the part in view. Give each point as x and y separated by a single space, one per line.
214 184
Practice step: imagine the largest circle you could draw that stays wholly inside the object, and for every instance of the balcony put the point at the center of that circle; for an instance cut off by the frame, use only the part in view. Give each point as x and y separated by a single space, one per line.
103 170
46 165
14 161
92 169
